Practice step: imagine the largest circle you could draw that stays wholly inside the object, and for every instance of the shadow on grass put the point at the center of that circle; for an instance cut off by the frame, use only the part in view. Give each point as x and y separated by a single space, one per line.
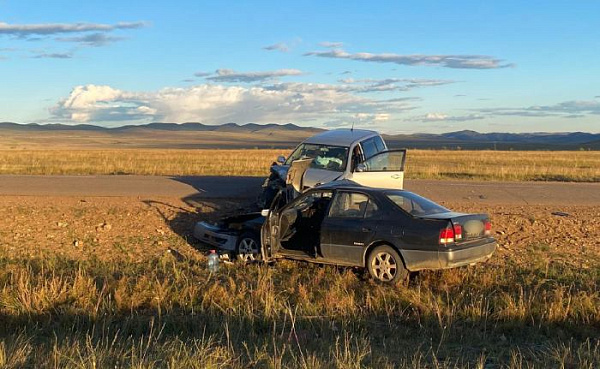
393 339
294 311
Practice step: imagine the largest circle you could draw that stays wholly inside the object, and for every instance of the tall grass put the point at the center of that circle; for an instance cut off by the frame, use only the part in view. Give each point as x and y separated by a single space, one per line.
579 166
60 313
483 165
146 162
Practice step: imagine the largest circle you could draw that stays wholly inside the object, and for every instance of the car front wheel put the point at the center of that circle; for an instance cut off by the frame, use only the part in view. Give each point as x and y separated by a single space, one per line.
385 265
248 247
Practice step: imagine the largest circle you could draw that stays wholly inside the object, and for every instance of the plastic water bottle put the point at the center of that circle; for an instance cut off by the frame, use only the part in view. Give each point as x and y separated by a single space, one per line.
213 261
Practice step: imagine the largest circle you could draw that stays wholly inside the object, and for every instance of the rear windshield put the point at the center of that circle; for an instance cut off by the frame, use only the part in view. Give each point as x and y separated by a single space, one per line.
415 204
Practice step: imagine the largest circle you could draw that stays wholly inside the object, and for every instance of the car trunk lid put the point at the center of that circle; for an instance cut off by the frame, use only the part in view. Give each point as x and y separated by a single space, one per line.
462 227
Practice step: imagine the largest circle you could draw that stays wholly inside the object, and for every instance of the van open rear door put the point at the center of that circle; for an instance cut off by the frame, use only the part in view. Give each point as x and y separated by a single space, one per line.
385 170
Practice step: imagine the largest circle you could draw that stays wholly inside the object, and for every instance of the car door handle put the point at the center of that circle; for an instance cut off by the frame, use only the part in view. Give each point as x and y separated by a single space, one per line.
365 229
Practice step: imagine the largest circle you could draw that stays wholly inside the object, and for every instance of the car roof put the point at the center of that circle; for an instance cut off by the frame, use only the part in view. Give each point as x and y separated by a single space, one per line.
340 137
341 184
346 184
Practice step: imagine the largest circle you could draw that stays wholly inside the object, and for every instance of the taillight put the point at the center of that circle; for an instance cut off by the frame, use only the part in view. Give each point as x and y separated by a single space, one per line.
487 227
446 236
457 232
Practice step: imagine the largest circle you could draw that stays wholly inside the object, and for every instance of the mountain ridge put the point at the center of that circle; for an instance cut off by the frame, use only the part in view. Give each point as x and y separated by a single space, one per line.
467 139
188 126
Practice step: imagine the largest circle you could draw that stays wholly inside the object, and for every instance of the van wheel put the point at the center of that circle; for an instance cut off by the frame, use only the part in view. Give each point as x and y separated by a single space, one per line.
248 247
385 265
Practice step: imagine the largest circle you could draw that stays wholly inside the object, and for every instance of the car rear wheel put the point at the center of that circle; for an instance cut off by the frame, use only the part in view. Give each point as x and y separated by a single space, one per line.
248 247
385 265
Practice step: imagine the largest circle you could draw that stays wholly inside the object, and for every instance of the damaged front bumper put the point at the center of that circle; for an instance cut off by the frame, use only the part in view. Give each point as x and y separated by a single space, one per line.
215 236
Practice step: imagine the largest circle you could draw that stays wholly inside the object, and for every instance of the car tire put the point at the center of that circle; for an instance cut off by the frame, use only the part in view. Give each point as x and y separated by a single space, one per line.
385 265
248 248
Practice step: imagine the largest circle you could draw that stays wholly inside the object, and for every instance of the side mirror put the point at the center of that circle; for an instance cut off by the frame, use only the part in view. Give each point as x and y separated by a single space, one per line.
264 212
361 168
281 159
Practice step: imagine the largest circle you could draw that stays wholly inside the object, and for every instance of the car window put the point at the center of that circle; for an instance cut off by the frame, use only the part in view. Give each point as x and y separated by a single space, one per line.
295 155
371 209
369 147
352 205
379 143
372 146
389 161
331 158
415 204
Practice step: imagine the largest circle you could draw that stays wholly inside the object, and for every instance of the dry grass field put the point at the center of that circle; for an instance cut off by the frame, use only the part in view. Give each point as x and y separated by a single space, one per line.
580 166
90 283
94 283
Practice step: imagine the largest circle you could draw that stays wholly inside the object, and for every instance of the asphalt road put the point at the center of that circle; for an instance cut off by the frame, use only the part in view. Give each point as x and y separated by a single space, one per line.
525 193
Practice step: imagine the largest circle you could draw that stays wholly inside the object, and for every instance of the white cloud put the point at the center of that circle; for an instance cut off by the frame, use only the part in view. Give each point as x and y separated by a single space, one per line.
329 44
24 30
202 74
570 109
390 84
448 61
84 34
436 117
94 39
216 104
358 120
280 46
284 46
45 55
231 76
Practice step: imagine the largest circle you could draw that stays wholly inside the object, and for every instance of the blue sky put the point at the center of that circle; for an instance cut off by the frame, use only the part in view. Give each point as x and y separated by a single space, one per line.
394 66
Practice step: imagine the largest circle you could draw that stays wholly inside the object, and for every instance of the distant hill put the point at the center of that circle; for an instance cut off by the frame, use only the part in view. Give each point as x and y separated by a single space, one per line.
250 135
468 139
556 138
191 126
50 127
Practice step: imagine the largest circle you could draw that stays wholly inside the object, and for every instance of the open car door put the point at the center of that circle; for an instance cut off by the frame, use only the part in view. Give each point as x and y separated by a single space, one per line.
385 170
270 229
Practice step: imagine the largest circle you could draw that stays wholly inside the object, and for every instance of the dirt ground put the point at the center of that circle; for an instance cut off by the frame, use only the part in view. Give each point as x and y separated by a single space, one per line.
138 229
